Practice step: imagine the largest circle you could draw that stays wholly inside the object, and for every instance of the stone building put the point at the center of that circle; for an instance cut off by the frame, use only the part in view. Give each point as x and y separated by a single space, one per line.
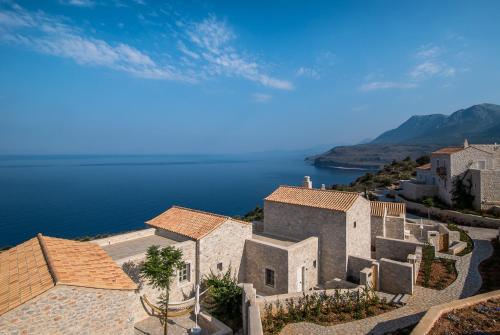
387 219
478 165
55 286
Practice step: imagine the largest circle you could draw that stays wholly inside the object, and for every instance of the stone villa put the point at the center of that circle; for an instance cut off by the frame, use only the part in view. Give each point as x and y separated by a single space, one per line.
309 239
478 164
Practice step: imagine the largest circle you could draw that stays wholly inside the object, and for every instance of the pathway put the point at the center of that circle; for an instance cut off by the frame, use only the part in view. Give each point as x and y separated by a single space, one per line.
467 283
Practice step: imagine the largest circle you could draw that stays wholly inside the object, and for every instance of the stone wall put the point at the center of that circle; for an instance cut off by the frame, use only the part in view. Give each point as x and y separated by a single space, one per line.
420 234
358 230
356 264
394 227
444 215
124 237
250 310
377 228
395 277
303 254
73 310
415 191
224 245
485 188
260 255
395 249
301 222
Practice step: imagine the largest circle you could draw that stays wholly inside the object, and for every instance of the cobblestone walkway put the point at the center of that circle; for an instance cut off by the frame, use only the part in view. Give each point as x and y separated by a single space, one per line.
467 283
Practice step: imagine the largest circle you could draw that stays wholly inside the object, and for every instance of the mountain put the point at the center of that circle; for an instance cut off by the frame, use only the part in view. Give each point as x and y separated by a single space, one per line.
420 134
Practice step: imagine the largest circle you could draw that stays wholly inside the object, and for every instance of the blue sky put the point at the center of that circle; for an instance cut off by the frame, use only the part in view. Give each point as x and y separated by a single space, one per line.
97 77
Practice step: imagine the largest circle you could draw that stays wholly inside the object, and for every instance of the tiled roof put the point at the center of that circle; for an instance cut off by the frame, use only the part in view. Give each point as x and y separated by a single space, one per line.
189 222
448 150
311 197
38 264
393 208
24 274
424 167
85 264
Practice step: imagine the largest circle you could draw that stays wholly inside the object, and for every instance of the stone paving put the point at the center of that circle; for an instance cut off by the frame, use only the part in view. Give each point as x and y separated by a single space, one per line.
179 325
467 283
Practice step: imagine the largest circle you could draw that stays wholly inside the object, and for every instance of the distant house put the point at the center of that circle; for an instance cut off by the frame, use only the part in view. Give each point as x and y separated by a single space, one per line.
478 165
55 286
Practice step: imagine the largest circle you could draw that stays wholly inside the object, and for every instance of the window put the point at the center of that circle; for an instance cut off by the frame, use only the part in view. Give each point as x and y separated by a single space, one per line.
270 277
219 266
354 224
185 273
314 264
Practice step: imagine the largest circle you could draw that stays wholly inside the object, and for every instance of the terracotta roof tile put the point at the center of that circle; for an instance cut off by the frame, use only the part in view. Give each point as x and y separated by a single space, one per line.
393 208
424 167
189 222
35 266
310 197
448 150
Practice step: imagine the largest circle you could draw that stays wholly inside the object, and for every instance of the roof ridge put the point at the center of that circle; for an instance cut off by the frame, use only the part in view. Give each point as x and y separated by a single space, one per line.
48 259
318 189
202 212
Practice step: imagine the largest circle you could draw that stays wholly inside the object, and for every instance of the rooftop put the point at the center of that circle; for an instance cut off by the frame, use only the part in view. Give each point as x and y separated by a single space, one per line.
448 150
278 240
189 222
136 246
40 263
424 167
310 197
393 208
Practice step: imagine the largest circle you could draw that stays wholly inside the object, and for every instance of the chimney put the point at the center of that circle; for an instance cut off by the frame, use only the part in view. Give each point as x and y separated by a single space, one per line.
323 187
466 143
307 183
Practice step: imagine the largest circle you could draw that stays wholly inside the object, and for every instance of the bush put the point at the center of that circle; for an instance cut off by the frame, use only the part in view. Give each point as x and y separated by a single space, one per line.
427 259
224 298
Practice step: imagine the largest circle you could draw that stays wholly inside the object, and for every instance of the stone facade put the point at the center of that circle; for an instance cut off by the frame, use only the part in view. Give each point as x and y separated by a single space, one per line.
73 310
480 164
396 277
224 245
284 261
395 249
340 233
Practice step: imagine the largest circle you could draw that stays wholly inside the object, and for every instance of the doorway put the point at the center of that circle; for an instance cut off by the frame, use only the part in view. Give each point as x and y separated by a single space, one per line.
301 272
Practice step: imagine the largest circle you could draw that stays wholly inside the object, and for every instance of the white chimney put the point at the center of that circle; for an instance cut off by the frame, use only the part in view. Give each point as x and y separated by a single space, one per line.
323 187
466 143
307 183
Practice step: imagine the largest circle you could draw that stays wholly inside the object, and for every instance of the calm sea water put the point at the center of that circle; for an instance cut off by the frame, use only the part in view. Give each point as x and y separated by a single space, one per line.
72 196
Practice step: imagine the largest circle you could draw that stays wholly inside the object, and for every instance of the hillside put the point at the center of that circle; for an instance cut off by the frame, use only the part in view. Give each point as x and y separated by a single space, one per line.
419 135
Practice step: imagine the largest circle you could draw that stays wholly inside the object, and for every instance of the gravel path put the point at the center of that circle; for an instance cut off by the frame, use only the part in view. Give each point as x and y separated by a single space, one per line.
467 283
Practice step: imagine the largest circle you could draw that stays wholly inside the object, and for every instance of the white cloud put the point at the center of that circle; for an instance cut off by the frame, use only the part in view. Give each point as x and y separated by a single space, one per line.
212 39
429 51
261 97
50 35
207 49
78 3
383 85
430 69
307 72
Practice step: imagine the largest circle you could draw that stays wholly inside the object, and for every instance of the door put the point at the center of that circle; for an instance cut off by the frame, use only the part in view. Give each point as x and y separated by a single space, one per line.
300 279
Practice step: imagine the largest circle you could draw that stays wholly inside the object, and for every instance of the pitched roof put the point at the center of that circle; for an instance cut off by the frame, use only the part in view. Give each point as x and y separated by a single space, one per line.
393 208
40 263
311 197
188 222
448 150
424 167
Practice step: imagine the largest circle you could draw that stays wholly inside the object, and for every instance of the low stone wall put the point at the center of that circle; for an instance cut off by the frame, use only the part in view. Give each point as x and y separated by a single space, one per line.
395 249
73 310
356 264
251 321
213 326
412 190
396 277
394 227
124 237
445 215
457 247
415 230
453 235
434 313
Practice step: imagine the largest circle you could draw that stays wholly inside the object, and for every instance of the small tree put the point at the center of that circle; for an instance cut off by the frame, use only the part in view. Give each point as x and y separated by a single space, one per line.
461 193
159 269
428 202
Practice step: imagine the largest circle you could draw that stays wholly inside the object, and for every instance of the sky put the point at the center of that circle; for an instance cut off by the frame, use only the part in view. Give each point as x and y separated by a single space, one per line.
151 77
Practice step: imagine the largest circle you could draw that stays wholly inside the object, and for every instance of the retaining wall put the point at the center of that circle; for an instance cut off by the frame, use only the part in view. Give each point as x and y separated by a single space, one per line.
395 249
396 277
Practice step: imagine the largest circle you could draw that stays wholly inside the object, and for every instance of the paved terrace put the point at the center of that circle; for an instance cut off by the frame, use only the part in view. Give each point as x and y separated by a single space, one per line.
468 282
276 240
136 246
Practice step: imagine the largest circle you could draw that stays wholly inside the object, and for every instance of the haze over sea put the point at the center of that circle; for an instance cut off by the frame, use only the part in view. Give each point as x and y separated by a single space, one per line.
74 196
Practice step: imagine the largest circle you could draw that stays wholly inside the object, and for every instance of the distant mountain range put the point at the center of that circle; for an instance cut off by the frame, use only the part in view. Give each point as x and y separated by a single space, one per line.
420 134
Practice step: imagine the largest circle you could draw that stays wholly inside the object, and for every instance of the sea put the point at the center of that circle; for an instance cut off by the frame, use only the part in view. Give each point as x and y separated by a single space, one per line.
73 196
